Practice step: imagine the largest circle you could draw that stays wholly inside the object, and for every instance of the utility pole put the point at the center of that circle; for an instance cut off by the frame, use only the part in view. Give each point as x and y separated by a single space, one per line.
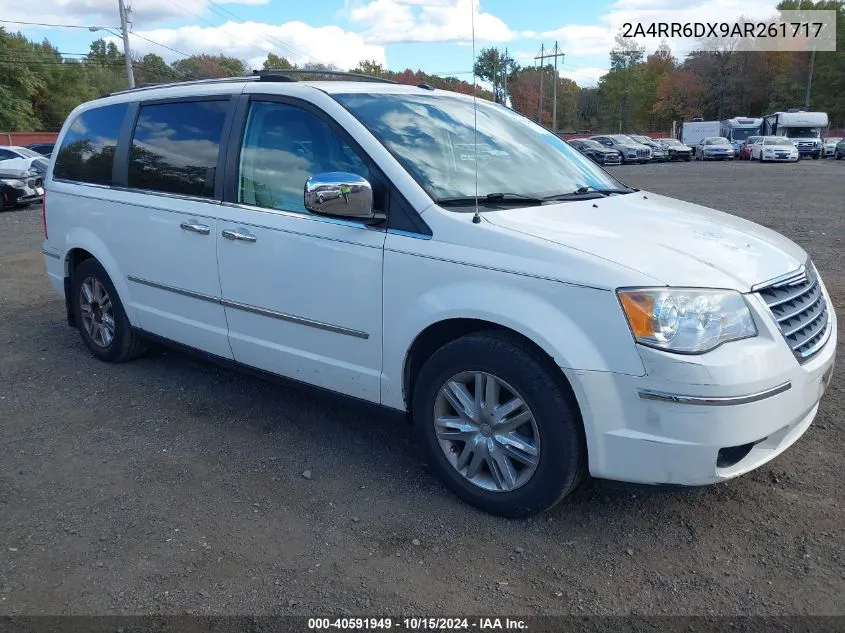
542 57
505 81
810 80
130 76
557 54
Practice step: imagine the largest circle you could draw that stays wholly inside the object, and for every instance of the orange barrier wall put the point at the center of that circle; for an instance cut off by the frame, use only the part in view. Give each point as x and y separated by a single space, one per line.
26 138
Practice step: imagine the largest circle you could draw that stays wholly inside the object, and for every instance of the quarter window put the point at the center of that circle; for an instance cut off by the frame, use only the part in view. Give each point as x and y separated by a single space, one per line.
283 147
175 147
87 151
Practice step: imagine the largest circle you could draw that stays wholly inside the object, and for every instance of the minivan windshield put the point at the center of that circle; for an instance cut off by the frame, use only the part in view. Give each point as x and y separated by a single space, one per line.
433 137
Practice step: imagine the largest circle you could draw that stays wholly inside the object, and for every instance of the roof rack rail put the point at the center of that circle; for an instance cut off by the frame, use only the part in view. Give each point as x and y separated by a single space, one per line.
193 82
284 74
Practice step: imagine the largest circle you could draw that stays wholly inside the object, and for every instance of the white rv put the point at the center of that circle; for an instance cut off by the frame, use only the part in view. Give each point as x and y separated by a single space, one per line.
804 129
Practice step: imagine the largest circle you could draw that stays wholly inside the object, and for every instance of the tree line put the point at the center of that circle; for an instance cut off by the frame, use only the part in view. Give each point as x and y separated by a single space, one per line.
39 85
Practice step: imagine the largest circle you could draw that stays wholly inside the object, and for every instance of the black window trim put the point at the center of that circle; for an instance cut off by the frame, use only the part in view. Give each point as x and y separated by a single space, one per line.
120 175
400 215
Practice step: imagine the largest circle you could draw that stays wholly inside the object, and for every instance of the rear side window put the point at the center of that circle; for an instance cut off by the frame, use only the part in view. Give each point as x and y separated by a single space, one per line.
175 147
87 151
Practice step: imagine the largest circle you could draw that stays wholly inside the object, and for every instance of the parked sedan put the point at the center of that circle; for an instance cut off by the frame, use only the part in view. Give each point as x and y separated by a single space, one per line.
774 149
745 148
631 151
596 152
839 151
829 146
714 148
19 188
675 150
658 152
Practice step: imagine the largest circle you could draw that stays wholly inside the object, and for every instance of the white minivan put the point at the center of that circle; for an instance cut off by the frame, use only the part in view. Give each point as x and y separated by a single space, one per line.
536 318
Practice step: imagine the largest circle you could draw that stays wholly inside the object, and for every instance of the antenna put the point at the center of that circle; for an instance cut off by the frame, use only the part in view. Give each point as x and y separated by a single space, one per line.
476 218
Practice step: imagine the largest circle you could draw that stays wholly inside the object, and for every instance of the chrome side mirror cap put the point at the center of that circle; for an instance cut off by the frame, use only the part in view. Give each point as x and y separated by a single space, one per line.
339 194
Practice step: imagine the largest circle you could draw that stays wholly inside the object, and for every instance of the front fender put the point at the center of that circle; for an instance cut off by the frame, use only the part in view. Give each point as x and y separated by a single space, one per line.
580 328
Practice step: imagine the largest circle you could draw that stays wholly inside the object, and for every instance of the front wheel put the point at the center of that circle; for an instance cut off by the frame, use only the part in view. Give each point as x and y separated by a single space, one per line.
498 425
100 316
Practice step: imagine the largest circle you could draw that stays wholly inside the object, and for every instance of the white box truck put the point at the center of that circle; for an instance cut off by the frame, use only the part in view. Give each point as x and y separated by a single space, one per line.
693 131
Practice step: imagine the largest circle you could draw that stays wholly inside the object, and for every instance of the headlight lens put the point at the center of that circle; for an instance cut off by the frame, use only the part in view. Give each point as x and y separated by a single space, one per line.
13 182
686 320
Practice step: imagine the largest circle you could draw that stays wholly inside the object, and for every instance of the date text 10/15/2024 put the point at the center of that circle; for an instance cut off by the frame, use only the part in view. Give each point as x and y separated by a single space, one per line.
418 624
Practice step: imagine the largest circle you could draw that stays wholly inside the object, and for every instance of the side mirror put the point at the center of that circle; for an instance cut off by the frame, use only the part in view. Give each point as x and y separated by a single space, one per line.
339 194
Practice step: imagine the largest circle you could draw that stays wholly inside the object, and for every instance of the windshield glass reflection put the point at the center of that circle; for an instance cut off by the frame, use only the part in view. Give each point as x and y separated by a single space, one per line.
433 136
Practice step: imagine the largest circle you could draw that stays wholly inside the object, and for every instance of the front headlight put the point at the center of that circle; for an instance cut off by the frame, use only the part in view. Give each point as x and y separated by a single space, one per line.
686 320
13 182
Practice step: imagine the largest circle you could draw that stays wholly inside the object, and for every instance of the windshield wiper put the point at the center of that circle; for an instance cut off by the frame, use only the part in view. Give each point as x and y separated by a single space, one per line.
490 198
586 193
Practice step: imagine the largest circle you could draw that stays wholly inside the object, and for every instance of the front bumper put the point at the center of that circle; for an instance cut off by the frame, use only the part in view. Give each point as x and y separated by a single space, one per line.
738 413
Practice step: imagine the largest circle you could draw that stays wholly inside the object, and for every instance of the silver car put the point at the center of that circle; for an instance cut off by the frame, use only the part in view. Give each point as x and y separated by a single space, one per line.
829 146
714 148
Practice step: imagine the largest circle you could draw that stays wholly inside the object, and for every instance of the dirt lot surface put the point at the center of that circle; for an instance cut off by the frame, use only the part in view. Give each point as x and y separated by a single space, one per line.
168 485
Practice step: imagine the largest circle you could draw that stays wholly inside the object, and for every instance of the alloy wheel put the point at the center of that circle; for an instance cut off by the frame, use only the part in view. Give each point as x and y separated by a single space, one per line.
97 313
486 431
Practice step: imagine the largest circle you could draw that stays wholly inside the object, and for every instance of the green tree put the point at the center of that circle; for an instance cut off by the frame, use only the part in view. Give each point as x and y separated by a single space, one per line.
209 66
491 65
274 61
152 69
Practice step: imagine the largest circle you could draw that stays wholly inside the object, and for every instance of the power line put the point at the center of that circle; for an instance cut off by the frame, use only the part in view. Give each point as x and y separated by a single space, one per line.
62 26
160 44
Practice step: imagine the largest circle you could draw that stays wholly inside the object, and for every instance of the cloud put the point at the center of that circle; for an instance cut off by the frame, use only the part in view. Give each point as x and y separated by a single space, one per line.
395 21
584 77
577 40
251 41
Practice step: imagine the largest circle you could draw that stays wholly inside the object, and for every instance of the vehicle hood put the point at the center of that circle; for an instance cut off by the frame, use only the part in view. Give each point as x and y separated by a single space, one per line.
674 242
720 146
15 174
678 148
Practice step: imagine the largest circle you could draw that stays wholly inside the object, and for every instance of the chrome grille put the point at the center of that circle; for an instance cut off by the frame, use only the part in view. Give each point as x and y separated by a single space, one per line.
801 312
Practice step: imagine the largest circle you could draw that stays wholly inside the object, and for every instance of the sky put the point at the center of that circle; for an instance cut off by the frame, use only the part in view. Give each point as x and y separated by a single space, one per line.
432 35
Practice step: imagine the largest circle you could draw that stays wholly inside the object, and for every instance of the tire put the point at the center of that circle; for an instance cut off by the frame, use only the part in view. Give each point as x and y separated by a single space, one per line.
838 156
124 343
553 425
687 159
815 156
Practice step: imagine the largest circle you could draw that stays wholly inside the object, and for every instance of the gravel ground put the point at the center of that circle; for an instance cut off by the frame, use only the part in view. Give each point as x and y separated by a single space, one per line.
168 485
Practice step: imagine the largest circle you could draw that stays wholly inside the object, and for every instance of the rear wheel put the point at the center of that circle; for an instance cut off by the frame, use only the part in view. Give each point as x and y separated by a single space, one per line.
100 316
499 427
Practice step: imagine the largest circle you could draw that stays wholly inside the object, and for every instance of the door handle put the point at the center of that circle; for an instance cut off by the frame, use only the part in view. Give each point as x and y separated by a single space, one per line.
230 234
194 227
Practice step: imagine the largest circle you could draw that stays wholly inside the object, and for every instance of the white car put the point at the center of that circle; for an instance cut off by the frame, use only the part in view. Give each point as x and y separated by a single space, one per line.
536 318
20 157
829 146
774 149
